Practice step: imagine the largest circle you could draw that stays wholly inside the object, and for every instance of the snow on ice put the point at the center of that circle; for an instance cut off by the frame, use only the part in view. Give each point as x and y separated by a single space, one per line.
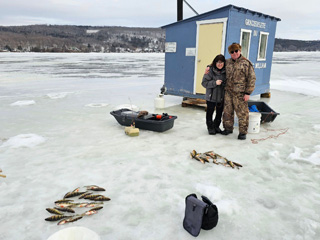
24 140
65 138
23 103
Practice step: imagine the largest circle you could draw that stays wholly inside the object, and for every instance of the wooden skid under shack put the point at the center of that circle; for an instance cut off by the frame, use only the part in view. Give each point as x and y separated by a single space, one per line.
194 102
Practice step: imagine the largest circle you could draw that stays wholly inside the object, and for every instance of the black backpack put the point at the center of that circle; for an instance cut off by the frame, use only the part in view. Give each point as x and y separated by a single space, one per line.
199 214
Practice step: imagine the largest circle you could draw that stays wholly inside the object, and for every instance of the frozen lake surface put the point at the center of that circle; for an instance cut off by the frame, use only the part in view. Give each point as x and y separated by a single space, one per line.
57 134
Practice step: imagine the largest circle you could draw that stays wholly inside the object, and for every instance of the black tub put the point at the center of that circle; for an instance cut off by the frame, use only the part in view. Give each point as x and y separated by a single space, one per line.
267 113
152 122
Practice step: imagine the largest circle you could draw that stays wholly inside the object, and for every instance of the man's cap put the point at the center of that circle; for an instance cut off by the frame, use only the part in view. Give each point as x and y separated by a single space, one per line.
233 47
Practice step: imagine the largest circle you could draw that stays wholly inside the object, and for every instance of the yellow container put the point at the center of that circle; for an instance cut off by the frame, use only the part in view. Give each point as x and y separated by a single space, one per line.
131 131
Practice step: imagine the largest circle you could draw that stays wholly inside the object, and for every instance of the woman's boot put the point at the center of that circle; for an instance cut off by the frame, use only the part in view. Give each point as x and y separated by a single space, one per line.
218 130
216 124
211 129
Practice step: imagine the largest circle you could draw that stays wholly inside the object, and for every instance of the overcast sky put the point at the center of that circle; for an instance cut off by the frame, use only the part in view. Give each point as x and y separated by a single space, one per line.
299 19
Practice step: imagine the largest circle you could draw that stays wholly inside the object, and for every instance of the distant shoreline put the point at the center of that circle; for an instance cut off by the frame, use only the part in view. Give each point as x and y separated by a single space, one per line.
85 39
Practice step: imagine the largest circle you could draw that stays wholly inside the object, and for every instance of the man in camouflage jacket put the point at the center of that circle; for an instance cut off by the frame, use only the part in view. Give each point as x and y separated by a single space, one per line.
240 84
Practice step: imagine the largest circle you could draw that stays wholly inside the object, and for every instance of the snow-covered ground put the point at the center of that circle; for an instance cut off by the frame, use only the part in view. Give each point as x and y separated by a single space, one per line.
57 134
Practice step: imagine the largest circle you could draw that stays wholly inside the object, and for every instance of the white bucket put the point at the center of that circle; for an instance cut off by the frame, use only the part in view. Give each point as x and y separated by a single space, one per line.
254 122
159 102
79 233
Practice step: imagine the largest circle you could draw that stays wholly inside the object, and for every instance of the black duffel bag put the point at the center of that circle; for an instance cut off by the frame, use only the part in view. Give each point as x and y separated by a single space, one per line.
199 214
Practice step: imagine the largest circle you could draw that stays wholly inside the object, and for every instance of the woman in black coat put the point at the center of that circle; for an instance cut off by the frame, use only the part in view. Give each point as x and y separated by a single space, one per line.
214 82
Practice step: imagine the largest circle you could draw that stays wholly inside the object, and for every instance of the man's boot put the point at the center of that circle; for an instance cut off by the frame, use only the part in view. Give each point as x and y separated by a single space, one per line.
226 132
242 136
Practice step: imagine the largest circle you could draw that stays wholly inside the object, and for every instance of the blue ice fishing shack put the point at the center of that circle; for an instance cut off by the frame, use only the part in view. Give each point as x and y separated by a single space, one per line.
191 45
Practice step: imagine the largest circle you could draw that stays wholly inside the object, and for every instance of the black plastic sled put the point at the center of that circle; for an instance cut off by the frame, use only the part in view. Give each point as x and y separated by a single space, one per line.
152 122
267 113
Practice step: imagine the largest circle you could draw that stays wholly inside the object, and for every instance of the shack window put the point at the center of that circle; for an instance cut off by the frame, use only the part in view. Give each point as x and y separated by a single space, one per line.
263 46
245 42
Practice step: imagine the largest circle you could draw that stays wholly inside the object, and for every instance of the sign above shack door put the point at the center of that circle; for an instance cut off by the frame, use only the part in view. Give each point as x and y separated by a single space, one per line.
210 43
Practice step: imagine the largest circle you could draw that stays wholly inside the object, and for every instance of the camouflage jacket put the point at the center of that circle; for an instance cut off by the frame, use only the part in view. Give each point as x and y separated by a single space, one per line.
240 76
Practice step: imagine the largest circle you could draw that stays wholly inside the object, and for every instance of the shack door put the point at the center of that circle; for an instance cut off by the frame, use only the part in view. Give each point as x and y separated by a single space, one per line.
210 42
